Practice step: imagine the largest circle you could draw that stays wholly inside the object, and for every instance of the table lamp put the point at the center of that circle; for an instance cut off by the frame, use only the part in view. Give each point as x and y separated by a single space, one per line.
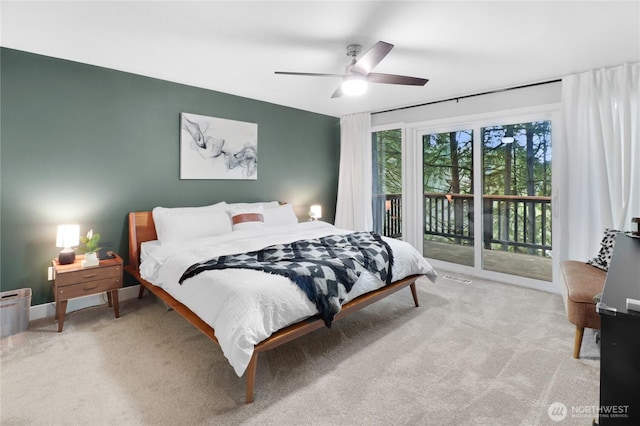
315 212
68 237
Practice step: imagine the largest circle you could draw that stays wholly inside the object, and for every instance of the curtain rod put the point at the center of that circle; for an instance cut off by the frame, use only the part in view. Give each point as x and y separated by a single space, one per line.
457 98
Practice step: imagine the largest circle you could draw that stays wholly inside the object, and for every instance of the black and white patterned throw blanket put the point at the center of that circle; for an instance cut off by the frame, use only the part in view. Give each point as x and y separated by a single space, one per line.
324 268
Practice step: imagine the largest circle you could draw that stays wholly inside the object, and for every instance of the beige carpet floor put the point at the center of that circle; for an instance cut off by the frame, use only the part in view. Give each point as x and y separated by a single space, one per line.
479 353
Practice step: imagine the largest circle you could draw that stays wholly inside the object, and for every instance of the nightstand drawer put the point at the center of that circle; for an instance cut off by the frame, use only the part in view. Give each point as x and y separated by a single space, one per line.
89 274
89 287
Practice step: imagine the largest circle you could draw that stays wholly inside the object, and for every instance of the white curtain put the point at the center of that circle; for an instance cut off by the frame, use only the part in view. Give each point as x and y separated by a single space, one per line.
353 207
599 157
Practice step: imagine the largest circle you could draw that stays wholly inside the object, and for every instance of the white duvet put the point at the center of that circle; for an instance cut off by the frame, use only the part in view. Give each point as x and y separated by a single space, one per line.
244 307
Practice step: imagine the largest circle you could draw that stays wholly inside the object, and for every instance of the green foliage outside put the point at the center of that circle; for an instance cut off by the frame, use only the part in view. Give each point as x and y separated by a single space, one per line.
387 152
520 168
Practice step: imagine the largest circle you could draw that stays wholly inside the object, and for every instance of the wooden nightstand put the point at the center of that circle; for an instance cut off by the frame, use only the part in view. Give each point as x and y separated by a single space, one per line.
75 281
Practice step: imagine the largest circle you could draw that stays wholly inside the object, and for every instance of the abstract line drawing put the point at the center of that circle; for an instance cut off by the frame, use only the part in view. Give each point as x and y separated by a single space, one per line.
217 148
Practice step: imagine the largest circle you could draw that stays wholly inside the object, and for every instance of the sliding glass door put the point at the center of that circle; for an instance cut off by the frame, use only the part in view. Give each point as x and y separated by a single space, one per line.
475 194
486 196
448 196
516 199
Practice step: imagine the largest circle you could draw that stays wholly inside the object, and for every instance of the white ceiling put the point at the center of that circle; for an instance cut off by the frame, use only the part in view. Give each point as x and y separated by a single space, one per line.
463 47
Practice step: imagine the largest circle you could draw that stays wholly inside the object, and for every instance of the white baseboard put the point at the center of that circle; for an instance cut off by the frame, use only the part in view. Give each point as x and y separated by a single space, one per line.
49 309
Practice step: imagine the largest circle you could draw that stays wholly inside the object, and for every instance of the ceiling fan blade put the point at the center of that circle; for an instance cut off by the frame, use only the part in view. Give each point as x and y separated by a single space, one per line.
337 93
396 79
312 74
372 57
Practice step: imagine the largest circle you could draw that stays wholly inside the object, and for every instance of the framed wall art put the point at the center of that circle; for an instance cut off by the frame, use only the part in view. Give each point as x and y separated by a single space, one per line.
217 148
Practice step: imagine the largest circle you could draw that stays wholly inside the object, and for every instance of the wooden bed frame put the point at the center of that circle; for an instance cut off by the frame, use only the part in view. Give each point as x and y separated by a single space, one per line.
142 228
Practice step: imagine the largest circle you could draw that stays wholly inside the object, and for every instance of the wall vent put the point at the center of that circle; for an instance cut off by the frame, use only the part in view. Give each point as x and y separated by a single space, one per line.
458 279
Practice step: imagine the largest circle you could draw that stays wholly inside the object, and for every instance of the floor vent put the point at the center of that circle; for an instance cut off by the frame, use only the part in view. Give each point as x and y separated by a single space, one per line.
460 280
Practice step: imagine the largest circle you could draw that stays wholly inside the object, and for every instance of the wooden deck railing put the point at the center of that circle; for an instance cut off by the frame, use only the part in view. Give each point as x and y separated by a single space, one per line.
387 215
509 222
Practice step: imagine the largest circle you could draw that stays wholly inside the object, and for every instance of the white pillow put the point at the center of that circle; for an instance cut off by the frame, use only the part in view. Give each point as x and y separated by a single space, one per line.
263 204
281 215
246 217
186 223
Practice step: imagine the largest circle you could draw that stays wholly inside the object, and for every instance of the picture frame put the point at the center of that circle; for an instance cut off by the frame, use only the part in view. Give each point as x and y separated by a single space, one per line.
217 148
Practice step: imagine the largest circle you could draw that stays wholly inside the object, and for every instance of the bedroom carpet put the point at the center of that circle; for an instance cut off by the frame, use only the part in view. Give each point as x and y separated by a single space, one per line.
479 353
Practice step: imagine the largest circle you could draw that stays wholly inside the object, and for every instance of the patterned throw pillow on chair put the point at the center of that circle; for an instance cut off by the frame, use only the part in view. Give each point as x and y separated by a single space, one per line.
603 259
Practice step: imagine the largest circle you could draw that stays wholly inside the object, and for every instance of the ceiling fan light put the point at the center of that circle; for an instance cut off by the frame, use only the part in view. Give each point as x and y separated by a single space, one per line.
354 86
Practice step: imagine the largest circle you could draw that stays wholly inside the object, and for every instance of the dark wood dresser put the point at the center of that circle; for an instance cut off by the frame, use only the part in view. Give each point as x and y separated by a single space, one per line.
620 337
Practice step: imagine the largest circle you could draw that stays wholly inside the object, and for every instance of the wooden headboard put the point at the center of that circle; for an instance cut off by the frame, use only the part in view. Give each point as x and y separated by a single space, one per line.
141 229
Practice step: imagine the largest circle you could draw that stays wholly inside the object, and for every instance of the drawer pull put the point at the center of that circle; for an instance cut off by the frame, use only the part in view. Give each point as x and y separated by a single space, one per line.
89 275
91 287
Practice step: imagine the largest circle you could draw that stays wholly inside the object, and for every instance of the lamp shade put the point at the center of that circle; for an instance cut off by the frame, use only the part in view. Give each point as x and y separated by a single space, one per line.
68 236
315 211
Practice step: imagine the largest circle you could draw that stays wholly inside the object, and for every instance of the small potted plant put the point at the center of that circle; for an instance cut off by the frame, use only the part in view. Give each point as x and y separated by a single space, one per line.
89 247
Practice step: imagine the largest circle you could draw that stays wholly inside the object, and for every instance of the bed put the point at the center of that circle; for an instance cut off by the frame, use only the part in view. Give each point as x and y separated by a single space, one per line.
166 242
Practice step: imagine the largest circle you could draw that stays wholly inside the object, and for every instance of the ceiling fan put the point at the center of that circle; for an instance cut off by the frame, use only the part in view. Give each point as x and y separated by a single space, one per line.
358 72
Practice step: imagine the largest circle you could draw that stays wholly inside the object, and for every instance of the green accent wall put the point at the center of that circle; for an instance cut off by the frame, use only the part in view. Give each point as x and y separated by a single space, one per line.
84 144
